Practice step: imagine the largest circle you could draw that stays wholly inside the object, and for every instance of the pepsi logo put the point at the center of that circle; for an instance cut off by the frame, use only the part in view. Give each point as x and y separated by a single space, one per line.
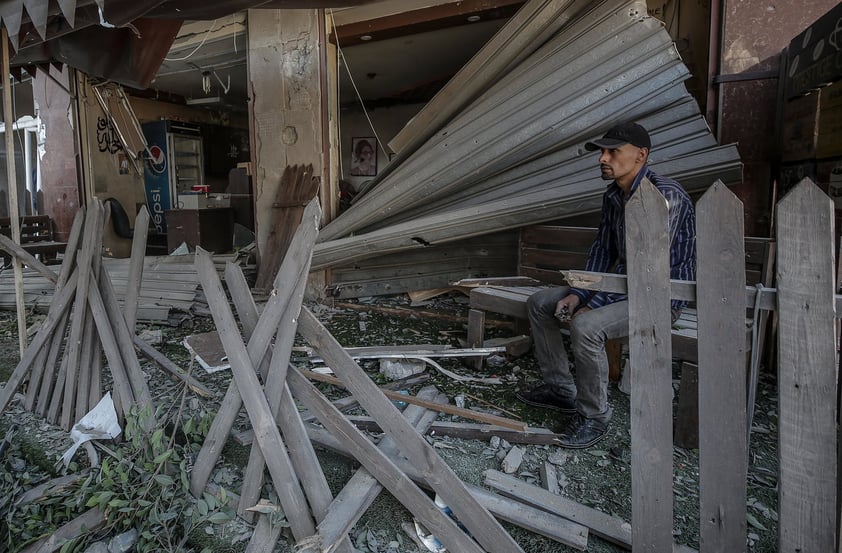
157 160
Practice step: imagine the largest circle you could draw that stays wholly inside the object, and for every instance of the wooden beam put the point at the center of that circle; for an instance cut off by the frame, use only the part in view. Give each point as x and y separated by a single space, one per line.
383 468
362 489
525 516
11 188
284 478
440 476
59 305
449 409
264 330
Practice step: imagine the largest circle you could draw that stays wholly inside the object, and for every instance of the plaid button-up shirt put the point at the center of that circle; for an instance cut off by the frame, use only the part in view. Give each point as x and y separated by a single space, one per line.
608 252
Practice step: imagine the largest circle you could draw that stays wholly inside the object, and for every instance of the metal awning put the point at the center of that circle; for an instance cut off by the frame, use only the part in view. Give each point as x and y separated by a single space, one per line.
119 40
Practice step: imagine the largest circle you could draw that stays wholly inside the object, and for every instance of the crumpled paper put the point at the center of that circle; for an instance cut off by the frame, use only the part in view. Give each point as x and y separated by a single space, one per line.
100 423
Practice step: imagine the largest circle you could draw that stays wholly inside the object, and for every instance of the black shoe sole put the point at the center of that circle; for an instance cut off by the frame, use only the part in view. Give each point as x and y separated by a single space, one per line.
562 410
569 445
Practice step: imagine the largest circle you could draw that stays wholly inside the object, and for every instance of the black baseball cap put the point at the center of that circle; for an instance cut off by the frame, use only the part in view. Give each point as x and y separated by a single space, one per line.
624 133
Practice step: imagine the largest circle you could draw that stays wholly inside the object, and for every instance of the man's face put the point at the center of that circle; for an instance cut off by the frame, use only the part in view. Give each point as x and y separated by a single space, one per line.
621 163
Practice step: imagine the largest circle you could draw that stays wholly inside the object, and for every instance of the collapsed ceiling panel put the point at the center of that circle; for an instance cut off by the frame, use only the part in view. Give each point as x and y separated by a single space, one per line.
515 155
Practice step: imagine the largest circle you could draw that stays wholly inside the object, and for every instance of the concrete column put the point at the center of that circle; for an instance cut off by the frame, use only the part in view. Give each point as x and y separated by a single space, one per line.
285 67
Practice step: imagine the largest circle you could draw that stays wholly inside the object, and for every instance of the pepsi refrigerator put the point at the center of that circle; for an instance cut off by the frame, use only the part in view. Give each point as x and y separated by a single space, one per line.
174 165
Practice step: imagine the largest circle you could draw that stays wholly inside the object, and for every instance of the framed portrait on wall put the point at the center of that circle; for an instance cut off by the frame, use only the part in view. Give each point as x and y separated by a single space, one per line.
363 156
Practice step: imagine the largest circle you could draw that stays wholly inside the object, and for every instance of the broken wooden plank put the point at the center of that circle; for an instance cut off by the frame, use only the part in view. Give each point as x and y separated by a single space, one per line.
55 485
58 307
41 382
383 468
89 520
549 477
265 536
476 518
124 395
164 362
284 478
363 488
414 352
104 295
263 331
88 385
93 226
528 517
601 524
299 186
281 403
470 431
449 409
25 258
135 278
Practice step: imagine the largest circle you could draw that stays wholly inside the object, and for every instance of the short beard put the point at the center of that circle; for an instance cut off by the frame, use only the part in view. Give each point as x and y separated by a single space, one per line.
605 175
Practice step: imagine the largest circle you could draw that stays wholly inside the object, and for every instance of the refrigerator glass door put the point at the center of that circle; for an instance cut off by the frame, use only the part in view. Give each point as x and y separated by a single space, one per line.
187 171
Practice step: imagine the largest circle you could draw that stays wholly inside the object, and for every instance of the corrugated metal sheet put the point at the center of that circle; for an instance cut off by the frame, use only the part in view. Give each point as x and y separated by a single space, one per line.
515 155
426 268
602 67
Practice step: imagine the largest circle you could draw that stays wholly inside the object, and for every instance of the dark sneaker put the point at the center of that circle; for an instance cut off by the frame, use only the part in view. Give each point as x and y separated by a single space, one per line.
581 433
547 396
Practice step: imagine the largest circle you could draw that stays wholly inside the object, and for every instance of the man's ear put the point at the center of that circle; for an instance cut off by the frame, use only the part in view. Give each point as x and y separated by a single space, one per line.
642 154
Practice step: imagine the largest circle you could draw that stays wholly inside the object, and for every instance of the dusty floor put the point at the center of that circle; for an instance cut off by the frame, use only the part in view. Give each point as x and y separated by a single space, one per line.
597 477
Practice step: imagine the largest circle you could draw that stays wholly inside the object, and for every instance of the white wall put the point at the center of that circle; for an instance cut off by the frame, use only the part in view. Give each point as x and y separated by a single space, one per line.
387 121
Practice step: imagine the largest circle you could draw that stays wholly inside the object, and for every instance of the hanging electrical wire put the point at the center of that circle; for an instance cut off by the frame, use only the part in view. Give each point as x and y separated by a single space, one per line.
354 85
207 34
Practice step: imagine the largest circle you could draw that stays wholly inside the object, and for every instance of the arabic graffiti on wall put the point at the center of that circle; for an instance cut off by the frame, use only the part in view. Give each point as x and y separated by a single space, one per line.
106 136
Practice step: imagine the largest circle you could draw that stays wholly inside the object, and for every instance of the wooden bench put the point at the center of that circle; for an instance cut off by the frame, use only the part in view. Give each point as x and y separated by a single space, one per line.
37 236
545 250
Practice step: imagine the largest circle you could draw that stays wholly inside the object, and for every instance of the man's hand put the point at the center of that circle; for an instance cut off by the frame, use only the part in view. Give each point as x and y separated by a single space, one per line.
565 307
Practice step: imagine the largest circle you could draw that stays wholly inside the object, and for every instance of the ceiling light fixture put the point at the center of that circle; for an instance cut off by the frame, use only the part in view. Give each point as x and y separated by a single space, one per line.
365 37
203 101
473 18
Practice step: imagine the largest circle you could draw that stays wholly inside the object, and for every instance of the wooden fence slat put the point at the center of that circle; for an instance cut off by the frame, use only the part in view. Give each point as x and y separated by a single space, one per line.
720 305
93 225
440 476
806 371
59 305
284 478
90 357
650 351
281 403
264 330
43 372
528 517
362 489
381 466
302 454
135 277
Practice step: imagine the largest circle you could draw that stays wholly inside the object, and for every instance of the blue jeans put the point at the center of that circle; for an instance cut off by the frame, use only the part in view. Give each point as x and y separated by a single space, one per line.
588 333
